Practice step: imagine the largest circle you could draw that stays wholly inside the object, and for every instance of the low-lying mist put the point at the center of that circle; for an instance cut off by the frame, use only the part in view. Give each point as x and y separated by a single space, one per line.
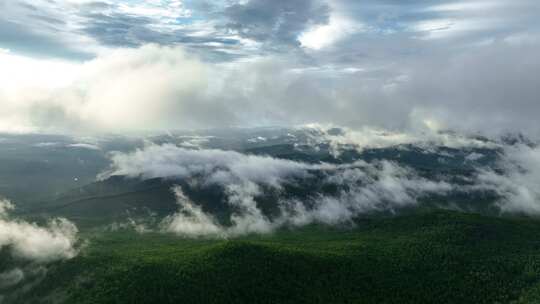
27 248
263 193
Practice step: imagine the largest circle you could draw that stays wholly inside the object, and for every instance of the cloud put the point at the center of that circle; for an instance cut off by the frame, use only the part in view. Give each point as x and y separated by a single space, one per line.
516 180
121 24
31 242
250 185
125 90
11 277
138 225
190 220
275 22
161 88
194 141
31 248
80 30
84 146
43 29
169 161
324 35
427 138
244 179
119 29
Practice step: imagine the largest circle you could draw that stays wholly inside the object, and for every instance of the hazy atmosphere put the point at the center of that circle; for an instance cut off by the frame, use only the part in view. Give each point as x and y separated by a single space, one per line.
225 151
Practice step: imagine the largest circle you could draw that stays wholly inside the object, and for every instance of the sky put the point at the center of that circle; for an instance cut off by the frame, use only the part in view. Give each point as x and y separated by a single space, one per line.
87 66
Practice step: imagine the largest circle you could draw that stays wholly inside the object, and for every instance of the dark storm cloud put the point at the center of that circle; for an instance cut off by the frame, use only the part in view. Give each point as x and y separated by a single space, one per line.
275 21
119 30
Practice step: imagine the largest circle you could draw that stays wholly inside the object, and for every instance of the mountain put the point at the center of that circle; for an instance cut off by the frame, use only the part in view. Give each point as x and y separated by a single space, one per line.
270 215
120 197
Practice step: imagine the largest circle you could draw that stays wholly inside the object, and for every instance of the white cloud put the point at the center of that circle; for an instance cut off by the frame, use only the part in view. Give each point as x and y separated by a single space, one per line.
219 166
20 72
447 28
365 188
190 220
166 11
39 244
155 87
517 183
322 36
373 138
466 6
194 141
124 90
249 218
